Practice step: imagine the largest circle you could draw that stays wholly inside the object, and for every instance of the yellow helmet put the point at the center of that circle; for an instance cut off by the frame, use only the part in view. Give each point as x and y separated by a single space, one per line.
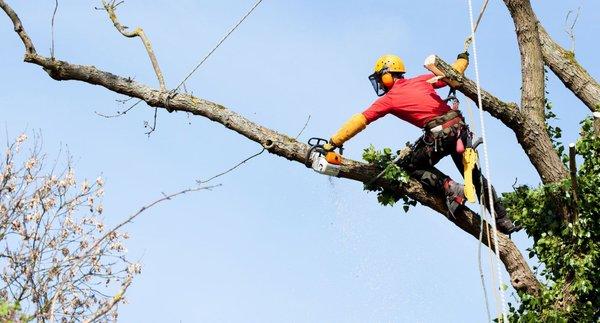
382 78
391 63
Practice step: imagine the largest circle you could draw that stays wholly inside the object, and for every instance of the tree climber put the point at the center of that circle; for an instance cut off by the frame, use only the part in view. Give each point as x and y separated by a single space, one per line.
445 132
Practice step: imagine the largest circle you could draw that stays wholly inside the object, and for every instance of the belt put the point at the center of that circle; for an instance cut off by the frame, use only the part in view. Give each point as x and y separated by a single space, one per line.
445 121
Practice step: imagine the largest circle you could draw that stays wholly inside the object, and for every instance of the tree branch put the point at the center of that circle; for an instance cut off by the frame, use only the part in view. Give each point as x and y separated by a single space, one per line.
110 304
567 69
18 27
531 135
111 7
282 145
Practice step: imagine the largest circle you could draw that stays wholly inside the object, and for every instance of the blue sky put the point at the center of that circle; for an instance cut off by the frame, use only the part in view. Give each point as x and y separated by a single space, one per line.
276 242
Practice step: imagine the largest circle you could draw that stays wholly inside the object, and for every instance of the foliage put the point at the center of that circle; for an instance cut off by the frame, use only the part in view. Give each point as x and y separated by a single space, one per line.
11 312
383 159
568 249
58 260
554 132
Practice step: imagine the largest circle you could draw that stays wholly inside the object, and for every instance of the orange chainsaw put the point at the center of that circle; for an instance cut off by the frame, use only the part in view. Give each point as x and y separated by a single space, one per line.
322 161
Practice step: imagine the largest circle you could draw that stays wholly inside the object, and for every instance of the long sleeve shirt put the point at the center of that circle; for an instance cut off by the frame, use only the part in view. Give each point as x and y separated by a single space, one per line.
413 100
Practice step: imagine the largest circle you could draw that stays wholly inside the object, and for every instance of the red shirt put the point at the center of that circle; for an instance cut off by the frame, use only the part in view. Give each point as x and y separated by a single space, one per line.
412 100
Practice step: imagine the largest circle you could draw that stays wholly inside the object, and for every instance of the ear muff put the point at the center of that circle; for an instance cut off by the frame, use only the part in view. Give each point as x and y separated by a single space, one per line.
387 80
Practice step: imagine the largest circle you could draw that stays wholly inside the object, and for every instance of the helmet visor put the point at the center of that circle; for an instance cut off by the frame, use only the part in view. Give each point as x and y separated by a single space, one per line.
375 79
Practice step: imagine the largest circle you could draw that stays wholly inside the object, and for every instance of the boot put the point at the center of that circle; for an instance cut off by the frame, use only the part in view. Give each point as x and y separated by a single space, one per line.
455 195
505 225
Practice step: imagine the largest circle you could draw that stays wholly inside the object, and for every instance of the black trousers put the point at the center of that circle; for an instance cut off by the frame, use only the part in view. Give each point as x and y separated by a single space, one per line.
427 152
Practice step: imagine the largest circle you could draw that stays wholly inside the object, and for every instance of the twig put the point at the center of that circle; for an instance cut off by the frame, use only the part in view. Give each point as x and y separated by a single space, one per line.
52 28
153 127
109 305
119 113
265 147
570 30
303 128
137 32
200 182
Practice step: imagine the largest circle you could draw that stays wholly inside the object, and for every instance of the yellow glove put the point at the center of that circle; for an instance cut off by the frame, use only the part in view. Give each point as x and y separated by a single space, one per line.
462 61
354 125
328 147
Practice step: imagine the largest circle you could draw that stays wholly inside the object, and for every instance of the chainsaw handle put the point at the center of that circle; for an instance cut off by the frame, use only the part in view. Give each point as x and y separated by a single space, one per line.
316 142
477 142
307 161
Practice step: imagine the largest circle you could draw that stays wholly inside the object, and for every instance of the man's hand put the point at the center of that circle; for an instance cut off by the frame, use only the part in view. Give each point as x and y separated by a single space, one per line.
462 61
464 55
329 146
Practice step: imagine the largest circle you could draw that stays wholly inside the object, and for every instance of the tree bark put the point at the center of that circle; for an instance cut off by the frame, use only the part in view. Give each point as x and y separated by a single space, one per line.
533 138
522 278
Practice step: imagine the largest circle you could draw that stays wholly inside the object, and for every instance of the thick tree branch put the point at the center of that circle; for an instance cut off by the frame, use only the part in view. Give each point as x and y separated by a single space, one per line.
18 27
567 69
508 113
282 145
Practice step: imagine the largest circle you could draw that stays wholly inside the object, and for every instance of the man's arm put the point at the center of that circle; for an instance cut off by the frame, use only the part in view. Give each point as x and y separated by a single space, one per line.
349 129
359 122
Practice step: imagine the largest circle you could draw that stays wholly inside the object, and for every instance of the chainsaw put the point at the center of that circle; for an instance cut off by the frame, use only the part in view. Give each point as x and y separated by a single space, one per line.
322 161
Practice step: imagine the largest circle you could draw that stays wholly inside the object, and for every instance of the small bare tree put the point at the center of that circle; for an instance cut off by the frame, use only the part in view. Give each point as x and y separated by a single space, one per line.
58 260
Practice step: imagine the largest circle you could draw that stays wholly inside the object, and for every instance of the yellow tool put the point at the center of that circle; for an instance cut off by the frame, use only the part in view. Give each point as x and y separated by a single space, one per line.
469 161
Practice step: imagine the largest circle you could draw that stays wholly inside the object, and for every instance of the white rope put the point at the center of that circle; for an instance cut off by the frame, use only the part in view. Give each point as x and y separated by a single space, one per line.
482 211
481 275
487 164
219 43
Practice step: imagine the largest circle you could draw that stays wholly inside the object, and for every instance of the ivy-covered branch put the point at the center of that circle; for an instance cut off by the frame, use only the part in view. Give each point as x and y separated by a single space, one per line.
568 250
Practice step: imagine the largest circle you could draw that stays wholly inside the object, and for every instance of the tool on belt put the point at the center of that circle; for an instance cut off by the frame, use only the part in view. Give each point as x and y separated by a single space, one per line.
323 161
438 129
453 123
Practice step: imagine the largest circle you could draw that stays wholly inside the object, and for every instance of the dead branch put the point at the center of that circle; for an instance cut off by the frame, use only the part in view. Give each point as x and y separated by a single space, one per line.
52 27
110 7
18 27
570 28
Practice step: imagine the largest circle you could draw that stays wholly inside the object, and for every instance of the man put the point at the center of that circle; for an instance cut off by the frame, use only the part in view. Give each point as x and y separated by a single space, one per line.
445 133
